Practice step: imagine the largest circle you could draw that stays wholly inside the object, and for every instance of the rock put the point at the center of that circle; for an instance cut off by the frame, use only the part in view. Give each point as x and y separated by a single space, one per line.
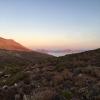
5 87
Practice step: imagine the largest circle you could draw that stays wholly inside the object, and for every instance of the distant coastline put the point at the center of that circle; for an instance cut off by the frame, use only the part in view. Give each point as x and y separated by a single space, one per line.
58 53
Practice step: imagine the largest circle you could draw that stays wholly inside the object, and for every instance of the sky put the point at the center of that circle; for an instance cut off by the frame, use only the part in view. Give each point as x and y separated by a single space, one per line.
52 24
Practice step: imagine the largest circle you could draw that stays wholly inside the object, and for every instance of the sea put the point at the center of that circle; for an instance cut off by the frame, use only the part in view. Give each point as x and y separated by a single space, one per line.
58 54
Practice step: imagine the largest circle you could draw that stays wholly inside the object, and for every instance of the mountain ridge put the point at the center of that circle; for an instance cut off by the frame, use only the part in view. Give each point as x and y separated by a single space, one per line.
10 44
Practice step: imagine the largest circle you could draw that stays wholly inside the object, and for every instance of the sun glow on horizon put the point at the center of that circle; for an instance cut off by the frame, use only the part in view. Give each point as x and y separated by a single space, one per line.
50 43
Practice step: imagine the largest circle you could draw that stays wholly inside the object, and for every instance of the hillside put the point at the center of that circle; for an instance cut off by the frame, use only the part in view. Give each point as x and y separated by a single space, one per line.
43 77
83 59
10 44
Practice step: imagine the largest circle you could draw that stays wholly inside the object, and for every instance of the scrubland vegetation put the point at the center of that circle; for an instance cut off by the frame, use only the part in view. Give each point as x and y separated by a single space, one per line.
37 76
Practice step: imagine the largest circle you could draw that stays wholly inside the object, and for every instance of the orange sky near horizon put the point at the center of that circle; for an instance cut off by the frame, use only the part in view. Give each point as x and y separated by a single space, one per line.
38 42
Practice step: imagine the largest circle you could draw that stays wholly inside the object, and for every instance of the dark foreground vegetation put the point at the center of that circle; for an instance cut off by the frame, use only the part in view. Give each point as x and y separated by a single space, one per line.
36 76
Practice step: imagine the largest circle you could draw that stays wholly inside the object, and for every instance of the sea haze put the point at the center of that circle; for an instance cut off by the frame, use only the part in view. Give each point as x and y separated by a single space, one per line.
58 53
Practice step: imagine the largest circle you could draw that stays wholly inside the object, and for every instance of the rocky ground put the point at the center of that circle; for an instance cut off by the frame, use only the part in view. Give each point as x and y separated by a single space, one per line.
71 77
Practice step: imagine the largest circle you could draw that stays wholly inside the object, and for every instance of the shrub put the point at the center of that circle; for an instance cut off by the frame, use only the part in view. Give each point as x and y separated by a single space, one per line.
67 94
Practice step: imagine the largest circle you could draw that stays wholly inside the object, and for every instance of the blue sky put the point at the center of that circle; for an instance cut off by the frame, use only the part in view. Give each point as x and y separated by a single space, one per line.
51 23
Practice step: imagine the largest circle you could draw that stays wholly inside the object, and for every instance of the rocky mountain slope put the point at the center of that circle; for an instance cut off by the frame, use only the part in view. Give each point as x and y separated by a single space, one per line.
10 44
36 76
